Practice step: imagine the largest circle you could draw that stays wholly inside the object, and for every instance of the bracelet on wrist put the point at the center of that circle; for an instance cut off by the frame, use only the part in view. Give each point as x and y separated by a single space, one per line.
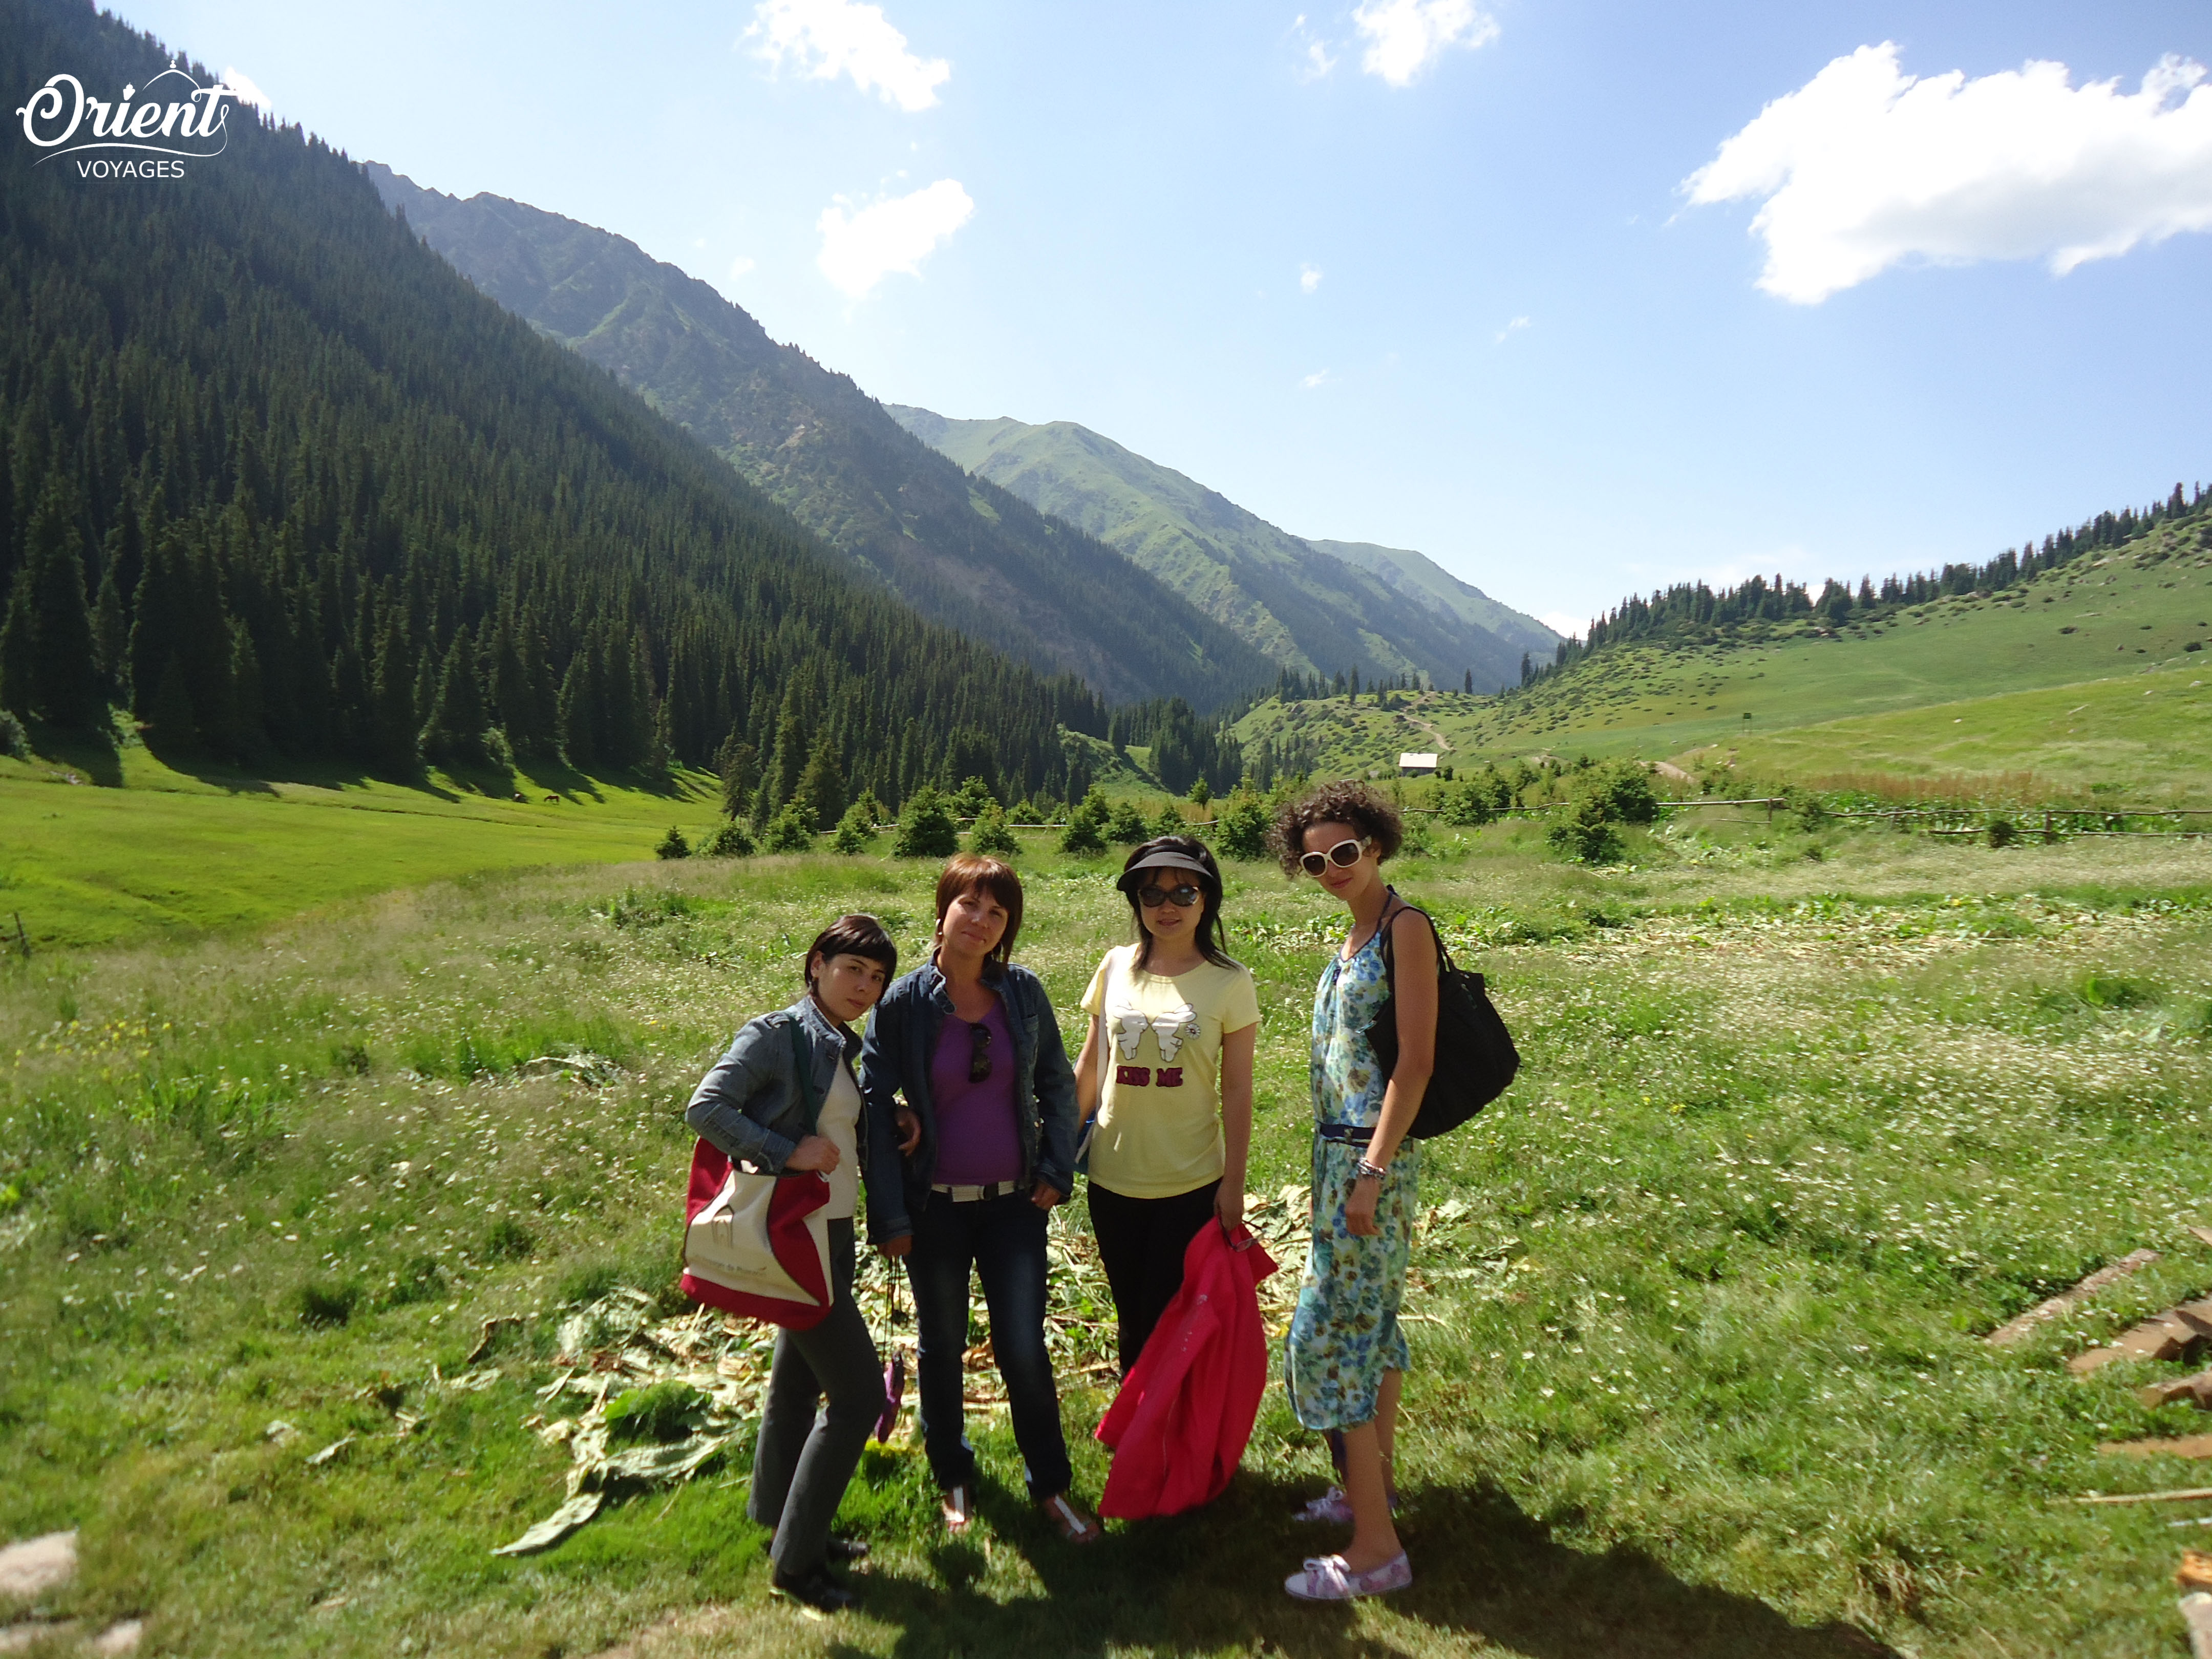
1364 1170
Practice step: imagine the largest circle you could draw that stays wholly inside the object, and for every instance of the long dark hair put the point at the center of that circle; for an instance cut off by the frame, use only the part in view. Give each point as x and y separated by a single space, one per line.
1208 882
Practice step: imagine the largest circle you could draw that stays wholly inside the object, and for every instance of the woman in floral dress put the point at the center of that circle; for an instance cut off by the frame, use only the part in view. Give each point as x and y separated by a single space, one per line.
1345 1357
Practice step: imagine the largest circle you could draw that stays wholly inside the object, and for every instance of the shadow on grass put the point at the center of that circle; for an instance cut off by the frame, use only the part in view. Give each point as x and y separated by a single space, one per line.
1486 1574
96 758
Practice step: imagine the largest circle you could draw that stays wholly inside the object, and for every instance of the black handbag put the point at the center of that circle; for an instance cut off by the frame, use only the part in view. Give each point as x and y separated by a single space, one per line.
1475 1056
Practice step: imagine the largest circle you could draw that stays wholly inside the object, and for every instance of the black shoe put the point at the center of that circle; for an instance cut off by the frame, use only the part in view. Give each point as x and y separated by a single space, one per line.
845 1549
816 1589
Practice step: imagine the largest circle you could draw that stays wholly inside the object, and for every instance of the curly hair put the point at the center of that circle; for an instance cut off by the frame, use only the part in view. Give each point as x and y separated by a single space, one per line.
1347 801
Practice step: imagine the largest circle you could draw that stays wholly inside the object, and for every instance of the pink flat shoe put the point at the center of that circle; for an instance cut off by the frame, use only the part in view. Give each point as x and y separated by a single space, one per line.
1327 1578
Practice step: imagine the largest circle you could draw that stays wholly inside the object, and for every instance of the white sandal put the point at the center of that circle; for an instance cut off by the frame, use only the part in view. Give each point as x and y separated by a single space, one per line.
1327 1578
953 1503
1075 1527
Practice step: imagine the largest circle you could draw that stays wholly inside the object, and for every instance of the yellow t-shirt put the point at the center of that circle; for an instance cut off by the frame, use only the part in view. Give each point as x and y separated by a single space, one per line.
1159 1111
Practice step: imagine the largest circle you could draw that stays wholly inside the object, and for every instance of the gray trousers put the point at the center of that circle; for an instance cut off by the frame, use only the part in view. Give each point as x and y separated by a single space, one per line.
804 1462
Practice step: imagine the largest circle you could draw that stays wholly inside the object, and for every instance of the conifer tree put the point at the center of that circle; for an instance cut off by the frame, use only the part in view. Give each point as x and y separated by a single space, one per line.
45 641
821 785
248 726
391 726
926 828
169 711
740 774
453 732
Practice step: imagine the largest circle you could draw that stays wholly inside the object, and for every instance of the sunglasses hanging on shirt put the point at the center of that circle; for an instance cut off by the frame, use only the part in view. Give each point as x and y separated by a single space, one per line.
979 1055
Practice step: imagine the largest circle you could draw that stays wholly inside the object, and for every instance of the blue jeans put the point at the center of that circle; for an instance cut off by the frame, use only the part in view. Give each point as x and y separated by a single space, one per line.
1003 1240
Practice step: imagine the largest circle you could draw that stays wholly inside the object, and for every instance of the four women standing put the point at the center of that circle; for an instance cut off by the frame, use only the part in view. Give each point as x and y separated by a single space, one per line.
964 1116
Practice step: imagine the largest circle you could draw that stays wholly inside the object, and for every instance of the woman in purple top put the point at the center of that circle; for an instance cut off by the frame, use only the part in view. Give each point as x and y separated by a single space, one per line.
971 1141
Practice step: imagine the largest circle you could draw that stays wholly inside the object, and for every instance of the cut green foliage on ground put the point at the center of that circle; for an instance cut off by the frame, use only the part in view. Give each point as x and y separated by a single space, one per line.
1696 1321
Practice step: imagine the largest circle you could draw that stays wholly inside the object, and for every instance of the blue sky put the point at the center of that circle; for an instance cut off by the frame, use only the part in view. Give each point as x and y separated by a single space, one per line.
1428 272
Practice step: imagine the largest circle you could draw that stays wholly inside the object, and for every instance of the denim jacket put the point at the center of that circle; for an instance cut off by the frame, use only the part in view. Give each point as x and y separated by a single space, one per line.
749 1107
895 1060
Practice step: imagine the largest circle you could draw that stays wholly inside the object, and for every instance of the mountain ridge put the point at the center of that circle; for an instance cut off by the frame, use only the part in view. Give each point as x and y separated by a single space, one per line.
960 550
1315 606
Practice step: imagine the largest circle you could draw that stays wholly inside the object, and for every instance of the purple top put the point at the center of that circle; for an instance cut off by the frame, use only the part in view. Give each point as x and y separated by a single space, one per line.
977 1141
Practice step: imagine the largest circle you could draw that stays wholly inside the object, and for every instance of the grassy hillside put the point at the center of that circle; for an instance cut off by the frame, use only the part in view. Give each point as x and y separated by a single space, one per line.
1695 1309
2147 737
1316 607
1865 698
963 553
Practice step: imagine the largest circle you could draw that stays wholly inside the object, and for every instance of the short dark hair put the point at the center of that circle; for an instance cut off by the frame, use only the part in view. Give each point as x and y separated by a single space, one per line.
1208 883
973 873
858 935
1346 801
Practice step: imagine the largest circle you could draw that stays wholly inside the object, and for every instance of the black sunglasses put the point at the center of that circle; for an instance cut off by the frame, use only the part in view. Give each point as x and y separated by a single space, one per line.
979 1056
1343 855
1182 898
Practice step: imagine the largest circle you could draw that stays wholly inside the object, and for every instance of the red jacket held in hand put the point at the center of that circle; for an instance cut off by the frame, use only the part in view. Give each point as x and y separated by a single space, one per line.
1184 1416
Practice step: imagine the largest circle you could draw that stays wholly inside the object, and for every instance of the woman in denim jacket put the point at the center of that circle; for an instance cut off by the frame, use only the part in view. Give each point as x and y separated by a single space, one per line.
752 1109
963 1177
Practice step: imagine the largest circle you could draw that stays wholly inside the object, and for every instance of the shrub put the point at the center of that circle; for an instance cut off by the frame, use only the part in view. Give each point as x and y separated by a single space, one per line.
971 797
657 1413
423 1280
1126 825
792 829
1583 831
1171 821
731 841
1626 787
672 845
991 834
1200 793
1805 810
1085 826
1241 831
855 831
507 1239
2002 832
14 741
926 828
1419 841
324 1304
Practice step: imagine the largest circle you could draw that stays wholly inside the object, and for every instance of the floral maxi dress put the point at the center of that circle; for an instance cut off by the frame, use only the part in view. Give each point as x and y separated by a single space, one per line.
1345 1333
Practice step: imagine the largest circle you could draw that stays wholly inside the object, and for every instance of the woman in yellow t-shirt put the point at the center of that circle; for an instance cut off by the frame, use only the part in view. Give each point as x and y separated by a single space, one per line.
1164 1083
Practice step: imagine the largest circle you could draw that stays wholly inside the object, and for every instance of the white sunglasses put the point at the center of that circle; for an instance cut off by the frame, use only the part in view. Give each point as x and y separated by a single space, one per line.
1343 855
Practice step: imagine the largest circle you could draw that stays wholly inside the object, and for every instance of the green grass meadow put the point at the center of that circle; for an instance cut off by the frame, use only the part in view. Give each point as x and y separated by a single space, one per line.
1695 1315
160 849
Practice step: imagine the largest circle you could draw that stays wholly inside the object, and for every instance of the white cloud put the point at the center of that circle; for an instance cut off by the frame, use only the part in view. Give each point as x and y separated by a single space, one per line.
1317 379
859 249
742 266
242 83
1561 623
1865 166
823 40
1314 59
1511 328
1404 37
1308 278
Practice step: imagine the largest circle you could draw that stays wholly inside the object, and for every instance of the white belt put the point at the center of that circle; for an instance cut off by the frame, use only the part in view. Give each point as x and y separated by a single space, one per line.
974 1194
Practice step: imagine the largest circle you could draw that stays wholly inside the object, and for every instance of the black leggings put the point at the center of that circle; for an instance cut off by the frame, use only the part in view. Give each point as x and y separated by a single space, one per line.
1141 1242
